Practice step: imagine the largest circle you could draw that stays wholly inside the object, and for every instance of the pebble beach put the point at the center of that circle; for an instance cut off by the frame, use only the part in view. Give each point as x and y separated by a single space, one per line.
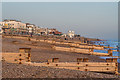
41 52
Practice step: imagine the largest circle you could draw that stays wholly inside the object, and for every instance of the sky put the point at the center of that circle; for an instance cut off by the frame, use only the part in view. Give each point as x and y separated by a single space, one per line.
89 19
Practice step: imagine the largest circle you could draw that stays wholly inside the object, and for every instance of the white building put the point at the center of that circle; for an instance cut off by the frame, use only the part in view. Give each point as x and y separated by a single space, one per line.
12 24
64 35
71 34
1 29
31 28
42 31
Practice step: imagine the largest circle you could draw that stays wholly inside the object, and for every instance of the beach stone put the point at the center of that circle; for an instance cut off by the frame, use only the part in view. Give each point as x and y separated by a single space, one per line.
42 54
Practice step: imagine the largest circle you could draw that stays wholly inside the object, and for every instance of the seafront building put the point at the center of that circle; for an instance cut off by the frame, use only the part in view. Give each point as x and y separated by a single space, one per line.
47 31
17 27
13 26
1 30
42 31
71 34
31 28
54 31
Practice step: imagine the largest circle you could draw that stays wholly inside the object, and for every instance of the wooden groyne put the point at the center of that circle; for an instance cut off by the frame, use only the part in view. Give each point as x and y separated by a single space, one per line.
80 45
21 57
78 48
73 43
76 45
81 64
15 57
84 51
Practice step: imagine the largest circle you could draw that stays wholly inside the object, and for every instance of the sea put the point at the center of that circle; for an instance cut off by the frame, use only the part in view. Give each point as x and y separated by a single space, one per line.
111 43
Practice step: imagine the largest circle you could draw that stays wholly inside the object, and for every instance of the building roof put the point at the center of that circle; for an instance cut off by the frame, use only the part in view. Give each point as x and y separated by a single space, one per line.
30 24
11 20
57 32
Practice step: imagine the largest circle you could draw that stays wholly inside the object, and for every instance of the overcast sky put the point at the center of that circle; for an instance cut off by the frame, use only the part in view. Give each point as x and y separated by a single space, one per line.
89 19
